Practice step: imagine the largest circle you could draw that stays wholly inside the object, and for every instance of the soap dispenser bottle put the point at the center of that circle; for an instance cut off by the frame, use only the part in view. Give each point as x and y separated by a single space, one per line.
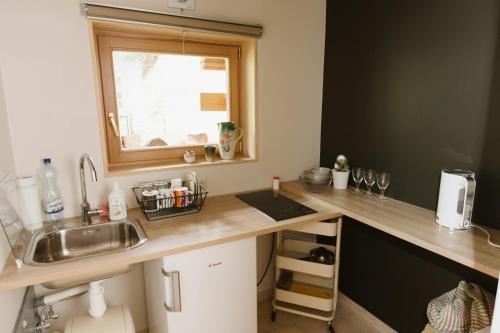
117 206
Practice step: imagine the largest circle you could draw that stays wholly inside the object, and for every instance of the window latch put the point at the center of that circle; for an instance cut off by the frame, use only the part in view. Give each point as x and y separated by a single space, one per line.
112 123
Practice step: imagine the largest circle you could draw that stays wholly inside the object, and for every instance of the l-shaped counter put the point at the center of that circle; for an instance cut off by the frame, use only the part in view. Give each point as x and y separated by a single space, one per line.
225 218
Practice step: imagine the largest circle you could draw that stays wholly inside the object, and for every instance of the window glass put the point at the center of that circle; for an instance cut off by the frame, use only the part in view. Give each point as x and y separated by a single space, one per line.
169 100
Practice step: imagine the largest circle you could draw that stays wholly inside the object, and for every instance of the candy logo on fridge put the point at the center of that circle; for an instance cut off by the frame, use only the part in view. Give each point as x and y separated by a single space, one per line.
214 264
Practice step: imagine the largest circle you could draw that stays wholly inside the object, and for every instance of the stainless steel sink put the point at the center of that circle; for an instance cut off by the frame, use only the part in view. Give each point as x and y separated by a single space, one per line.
75 241
83 238
72 241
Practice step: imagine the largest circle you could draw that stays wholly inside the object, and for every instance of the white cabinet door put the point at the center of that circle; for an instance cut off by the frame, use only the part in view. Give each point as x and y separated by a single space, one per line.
217 289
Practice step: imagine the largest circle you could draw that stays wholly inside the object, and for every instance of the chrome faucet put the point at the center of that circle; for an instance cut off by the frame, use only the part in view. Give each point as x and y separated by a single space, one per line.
87 213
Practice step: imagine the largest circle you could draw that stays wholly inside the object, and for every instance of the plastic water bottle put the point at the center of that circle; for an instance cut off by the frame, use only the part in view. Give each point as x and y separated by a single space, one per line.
52 203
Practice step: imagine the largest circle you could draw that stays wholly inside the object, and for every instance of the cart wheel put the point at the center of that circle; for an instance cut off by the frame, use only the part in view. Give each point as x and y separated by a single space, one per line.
273 315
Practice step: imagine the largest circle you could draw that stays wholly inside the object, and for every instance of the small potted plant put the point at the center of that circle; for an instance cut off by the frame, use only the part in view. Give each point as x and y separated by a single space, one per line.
341 173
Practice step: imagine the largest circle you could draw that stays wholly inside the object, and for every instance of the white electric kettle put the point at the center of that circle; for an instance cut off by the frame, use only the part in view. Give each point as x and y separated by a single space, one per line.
456 198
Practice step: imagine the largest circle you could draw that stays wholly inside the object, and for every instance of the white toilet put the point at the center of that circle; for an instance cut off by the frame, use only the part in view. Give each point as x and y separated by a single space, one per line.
117 319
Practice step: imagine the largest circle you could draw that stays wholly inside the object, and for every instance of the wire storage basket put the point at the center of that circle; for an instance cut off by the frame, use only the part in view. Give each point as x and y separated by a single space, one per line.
159 202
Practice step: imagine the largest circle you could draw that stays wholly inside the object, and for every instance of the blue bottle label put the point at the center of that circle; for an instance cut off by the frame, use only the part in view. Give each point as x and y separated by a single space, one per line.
54 207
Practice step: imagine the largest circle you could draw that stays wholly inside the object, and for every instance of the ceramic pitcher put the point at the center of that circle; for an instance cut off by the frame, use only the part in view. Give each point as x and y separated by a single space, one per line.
228 139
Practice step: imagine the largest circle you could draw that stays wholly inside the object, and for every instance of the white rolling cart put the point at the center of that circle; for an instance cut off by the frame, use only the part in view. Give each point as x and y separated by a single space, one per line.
314 290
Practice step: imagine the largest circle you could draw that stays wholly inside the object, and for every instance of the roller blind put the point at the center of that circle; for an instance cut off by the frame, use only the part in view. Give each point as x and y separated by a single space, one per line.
110 13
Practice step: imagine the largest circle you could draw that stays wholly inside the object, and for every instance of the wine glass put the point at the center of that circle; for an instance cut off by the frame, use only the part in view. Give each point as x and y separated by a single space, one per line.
357 176
369 177
383 180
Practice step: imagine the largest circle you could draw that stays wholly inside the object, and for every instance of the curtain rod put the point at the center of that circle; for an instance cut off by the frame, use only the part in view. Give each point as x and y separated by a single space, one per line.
123 14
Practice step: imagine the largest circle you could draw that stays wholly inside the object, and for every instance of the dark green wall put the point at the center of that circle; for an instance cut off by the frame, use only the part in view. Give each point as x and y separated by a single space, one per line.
412 87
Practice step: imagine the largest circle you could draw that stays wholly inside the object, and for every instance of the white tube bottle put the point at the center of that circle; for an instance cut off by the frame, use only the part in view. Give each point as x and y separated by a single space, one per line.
117 206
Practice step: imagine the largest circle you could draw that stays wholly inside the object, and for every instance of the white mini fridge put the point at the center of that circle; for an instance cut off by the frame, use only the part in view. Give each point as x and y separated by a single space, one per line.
210 290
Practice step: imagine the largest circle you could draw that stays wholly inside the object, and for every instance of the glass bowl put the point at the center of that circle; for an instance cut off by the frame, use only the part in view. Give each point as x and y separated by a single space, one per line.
315 186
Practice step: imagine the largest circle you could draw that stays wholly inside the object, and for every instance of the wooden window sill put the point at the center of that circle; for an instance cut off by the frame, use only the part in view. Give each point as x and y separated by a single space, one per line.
200 162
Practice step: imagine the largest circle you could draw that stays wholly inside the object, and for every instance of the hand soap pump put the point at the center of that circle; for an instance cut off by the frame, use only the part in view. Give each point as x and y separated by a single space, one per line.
117 206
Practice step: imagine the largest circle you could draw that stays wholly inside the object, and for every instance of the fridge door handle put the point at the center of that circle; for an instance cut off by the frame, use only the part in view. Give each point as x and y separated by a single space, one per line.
175 291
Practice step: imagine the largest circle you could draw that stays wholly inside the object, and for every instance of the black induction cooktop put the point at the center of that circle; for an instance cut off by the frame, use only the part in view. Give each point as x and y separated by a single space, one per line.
275 205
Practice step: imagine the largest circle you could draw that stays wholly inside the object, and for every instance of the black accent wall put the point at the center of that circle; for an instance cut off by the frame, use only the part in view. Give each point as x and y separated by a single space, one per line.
412 87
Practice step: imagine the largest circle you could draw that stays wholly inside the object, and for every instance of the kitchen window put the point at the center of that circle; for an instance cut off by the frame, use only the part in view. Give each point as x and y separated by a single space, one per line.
163 95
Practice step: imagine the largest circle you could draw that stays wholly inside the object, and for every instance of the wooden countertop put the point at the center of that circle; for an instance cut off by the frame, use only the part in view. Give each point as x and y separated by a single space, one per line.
415 225
225 218
222 219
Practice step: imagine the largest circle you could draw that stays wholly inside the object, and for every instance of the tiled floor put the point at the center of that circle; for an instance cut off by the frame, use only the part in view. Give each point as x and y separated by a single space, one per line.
345 321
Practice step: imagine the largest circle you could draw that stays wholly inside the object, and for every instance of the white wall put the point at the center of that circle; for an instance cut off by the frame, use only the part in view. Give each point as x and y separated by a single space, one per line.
49 88
7 166
50 93
10 302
